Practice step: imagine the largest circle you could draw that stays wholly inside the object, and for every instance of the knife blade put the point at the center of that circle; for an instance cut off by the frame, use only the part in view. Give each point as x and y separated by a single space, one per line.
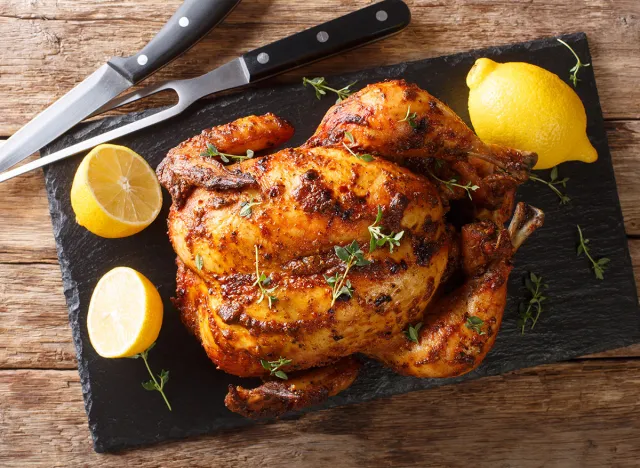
97 89
191 22
228 76
355 29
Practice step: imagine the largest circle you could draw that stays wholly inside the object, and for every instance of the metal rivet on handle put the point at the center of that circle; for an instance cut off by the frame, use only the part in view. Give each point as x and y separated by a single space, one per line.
322 36
263 57
382 15
183 22
142 59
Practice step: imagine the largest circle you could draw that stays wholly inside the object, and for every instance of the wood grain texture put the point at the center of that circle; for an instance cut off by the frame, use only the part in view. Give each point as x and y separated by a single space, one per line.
582 413
56 43
26 235
34 328
570 415
624 142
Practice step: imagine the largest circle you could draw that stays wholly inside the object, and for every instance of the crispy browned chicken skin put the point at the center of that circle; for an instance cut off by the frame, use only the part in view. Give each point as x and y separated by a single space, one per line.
307 200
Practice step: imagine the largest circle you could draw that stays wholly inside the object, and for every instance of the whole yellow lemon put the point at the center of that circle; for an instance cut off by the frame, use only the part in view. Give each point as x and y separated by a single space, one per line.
526 107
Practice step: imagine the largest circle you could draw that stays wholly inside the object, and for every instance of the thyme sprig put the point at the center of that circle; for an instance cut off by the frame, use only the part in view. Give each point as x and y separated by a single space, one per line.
274 367
212 151
199 262
338 289
453 182
154 384
410 118
321 87
351 255
263 282
475 323
245 207
598 265
412 332
531 308
352 140
573 73
554 180
378 239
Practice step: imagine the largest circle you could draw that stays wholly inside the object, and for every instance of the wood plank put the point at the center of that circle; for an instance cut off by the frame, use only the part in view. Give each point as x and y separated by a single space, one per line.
26 235
34 330
624 142
570 415
55 44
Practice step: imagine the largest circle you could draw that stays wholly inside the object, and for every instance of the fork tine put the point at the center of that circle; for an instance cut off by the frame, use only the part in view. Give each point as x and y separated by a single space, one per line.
94 141
134 96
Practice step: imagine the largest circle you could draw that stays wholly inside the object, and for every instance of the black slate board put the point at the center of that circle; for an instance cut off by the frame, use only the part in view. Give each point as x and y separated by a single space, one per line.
583 315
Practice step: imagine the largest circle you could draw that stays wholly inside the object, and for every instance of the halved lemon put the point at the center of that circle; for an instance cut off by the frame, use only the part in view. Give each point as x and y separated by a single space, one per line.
115 193
125 314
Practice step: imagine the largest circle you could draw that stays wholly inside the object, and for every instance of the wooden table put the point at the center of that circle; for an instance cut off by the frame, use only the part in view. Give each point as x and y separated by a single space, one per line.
585 412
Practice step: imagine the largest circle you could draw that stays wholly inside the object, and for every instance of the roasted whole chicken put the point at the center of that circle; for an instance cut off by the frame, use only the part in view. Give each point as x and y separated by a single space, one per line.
382 235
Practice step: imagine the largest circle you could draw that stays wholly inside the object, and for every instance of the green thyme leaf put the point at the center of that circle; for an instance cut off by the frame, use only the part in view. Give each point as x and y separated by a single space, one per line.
350 137
412 332
321 87
379 239
199 262
363 157
212 152
599 265
351 255
573 72
410 118
149 385
553 175
153 384
246 207
263 282
274 367
453 182
531 309
342 253
475 323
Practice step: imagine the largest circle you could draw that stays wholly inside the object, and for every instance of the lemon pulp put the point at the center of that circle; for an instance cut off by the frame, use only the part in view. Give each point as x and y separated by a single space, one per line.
115 193
125 314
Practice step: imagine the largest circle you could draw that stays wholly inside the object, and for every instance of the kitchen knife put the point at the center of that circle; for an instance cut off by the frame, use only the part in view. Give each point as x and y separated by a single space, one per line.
193 20
353 30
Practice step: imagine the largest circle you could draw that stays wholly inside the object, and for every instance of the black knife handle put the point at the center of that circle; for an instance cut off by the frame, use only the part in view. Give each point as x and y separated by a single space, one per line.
193 20
353 30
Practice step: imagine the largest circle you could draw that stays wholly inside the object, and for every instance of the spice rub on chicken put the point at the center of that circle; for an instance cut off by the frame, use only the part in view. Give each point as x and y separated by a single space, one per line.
389 217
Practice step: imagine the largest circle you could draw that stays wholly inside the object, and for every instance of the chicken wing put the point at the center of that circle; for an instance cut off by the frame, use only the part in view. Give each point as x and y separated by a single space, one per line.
189 165
460 328
307 388
403 123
